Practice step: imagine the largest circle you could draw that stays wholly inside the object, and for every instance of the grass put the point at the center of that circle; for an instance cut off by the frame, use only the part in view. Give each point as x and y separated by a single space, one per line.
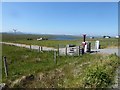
14 37
69 71
23 61
105 43
101 73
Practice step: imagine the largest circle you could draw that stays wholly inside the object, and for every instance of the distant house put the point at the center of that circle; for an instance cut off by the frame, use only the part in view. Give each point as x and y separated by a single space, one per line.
117 36
106 37
91 37
39 39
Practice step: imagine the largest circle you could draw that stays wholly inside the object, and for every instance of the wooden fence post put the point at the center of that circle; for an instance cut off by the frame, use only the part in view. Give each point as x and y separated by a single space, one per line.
5 66
66 51
78 50
30 46
58 49
89 47
82 51
39 49
55 57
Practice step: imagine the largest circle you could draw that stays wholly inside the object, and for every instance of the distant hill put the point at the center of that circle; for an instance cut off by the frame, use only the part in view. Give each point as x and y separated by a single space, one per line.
13 32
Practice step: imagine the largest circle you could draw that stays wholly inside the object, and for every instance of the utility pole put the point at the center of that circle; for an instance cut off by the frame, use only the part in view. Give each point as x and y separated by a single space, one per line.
15 30
15 33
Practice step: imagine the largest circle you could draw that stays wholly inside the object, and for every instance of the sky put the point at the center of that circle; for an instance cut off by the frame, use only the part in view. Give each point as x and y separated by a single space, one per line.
72 18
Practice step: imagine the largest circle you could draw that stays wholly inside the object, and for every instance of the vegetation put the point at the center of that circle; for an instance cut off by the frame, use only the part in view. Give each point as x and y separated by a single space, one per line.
23 38
83 71
13 37
100 74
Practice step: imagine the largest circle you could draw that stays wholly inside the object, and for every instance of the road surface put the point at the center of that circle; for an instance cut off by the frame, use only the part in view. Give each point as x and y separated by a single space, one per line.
108 51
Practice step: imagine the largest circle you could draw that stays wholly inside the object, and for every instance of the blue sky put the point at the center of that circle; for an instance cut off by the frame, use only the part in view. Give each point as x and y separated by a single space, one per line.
92 18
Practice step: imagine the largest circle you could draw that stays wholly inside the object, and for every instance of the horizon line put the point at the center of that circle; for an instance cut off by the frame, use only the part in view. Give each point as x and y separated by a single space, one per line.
58 34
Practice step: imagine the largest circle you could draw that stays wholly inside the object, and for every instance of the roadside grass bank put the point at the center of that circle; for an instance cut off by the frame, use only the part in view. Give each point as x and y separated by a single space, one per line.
87 71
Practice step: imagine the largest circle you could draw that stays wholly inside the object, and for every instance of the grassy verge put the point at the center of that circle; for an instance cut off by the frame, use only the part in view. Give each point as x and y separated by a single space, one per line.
91 71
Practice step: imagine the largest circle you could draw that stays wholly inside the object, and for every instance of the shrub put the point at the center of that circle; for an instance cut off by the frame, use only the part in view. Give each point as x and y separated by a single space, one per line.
97 77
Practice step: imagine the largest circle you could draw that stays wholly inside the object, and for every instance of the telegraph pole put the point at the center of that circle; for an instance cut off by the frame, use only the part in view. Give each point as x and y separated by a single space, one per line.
15 30
14 33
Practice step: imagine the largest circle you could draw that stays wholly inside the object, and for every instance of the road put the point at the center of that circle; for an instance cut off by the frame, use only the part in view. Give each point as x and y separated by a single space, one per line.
62 50
108 51
28 46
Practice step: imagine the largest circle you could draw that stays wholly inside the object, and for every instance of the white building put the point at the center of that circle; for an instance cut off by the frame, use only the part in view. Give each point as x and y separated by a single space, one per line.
117 36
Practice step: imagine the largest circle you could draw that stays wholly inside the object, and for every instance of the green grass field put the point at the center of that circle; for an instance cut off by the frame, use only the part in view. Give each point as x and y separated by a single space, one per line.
105 43
89 70
83 71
